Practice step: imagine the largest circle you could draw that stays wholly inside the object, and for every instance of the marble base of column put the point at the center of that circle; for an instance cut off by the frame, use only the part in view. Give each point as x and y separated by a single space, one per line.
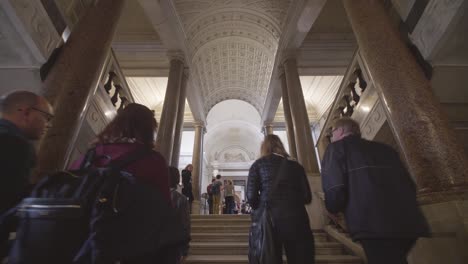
448 223
316 209
196 207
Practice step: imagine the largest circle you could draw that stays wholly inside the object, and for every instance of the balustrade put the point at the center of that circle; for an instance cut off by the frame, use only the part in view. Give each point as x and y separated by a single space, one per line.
115 85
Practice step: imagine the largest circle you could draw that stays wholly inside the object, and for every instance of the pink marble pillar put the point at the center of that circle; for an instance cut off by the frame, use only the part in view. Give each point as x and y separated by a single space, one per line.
74 77
302 133
287 115
434 157
197 160
167 124
180 121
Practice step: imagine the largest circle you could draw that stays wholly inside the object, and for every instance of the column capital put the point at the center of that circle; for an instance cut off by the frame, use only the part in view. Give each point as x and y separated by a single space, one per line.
268 128
176 55
198 124
186 72
288 54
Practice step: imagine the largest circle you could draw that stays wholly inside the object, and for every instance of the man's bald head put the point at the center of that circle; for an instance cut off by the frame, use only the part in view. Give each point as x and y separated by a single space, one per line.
10 103
28 111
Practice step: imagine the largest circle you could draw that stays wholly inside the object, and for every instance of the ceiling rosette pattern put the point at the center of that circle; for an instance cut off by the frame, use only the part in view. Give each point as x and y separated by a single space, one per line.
232 46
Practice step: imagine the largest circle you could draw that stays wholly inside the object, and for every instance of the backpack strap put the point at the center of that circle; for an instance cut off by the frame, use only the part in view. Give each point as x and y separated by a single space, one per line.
88 158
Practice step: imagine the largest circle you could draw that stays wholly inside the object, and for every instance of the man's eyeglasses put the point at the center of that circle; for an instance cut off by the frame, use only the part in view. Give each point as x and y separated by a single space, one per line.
330 132
48 116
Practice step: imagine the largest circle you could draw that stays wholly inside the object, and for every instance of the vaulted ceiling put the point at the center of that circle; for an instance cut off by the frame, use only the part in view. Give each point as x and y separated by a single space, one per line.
232 46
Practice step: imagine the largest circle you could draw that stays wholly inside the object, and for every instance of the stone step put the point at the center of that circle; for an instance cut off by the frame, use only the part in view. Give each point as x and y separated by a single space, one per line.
239 259
215 237
242 237
199 228
225 217
221 222
242 248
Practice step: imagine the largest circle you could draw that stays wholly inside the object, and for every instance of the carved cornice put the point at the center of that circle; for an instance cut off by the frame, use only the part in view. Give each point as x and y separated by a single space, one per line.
438 16
288 54
34 25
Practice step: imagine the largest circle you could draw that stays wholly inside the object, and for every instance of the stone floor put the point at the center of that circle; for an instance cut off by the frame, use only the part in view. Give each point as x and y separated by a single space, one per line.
224 239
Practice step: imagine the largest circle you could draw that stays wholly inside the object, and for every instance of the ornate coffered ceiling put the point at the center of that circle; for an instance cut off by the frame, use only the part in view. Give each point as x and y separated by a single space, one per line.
150 91
232 46
319 92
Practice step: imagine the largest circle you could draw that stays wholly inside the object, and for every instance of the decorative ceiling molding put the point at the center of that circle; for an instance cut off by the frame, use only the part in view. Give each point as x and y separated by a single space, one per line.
232 46
233 68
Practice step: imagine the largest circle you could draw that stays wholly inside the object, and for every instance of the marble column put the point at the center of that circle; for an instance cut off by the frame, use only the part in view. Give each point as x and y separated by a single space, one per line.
287 114
268 128
179 128
167 124
300 120
197 162
74 78
428 143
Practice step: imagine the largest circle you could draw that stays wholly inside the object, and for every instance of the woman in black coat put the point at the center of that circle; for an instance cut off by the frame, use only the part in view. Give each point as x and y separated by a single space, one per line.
187 183
290 220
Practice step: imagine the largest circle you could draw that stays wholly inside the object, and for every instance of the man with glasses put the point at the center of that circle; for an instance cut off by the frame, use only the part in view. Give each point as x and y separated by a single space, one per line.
24 116
367 181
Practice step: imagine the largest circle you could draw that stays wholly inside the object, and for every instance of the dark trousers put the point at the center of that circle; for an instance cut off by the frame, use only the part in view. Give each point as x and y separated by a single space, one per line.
300 251
210 205
387 251
229 201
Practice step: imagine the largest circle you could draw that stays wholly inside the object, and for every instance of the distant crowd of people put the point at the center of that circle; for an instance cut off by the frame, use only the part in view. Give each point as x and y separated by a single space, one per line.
119 201
222 198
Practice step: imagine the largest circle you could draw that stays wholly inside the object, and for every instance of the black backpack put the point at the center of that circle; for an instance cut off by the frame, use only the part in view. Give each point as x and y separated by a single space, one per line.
94 215
216 188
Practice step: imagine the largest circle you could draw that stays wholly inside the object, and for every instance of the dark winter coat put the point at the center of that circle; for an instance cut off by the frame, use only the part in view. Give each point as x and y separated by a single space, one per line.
187 183
287 201
368 182
17 158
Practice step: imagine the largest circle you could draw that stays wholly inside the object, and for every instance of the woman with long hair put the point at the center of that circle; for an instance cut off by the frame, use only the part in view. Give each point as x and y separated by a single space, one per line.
285 200
131 130
132 133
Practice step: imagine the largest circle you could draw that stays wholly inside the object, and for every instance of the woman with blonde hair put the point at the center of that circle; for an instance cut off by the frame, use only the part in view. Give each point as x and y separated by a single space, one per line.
279 184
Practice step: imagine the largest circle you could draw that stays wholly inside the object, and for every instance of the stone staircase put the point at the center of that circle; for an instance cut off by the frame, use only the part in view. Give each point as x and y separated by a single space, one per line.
224 239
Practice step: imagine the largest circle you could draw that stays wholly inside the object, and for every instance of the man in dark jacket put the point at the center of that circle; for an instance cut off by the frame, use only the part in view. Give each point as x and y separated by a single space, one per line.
368 182
24 117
